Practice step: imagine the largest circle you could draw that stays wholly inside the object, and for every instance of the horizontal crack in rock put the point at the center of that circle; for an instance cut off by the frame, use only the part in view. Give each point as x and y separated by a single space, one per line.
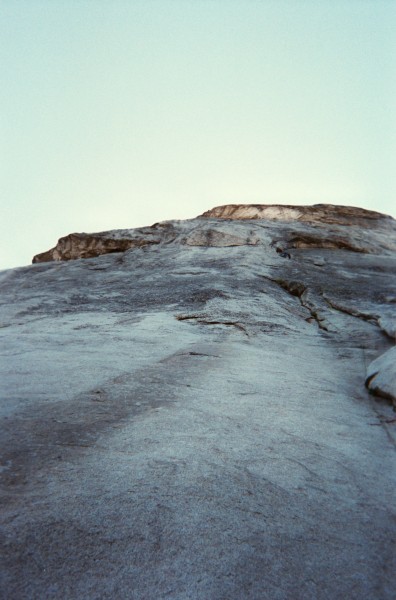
204 321
197 354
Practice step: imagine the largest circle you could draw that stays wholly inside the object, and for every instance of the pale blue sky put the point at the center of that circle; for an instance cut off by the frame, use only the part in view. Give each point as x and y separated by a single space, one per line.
119 113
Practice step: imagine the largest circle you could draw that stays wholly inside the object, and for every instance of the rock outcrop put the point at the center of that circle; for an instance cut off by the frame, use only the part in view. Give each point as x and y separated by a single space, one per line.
381 375
319 214
89 245
203 409
354 229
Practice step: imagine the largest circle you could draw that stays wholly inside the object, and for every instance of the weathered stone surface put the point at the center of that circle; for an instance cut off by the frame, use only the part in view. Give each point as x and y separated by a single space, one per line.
213 238
381 375
89 245
354 229
189 419
321 214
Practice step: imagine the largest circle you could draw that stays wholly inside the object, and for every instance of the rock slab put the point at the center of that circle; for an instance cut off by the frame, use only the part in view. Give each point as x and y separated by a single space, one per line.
184 410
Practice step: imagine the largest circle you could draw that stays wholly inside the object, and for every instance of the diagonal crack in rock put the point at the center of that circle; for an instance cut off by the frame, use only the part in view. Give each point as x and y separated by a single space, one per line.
353 312
301 291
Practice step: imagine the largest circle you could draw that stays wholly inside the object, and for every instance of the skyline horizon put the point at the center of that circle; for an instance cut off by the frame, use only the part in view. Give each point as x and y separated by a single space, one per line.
255 204
117 114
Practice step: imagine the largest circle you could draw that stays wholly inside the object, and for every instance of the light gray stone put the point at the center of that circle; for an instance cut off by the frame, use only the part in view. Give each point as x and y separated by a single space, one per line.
381 375
190 421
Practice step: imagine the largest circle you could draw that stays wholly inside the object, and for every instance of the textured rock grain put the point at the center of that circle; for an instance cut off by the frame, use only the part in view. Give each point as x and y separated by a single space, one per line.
322 214
381 375
184 412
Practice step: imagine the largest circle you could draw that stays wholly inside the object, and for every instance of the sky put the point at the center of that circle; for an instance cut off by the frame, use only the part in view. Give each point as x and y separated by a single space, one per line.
121 113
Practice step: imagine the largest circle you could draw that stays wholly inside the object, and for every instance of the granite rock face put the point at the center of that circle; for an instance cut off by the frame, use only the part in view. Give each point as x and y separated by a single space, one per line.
203 409
381 375
85 245
319 214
